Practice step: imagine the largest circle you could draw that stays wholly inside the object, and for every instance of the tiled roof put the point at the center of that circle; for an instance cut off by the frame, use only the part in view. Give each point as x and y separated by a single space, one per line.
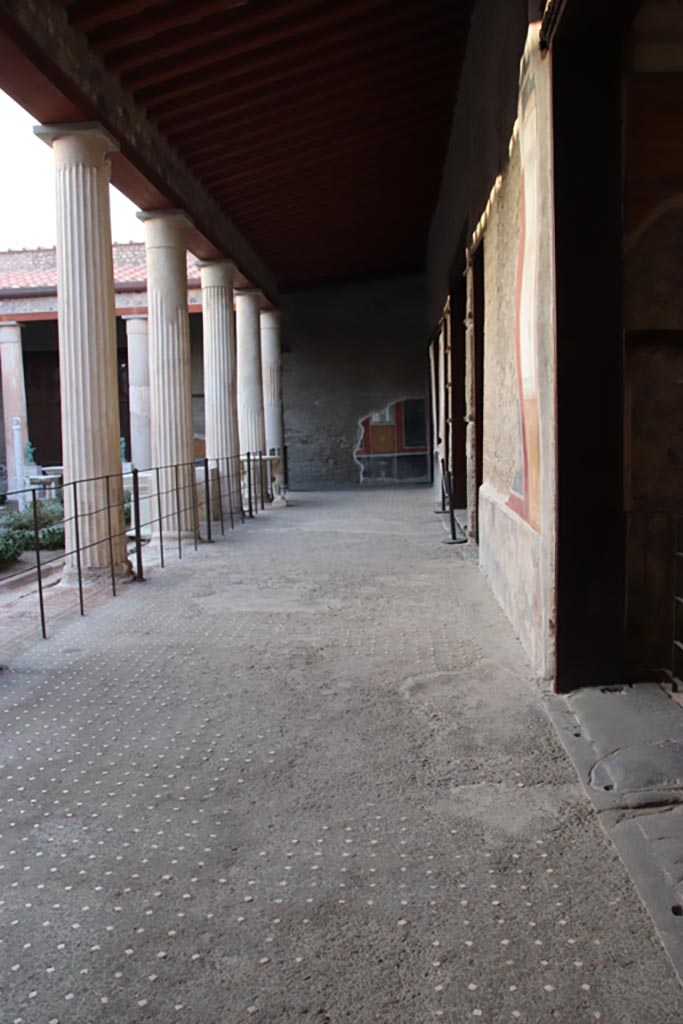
37 268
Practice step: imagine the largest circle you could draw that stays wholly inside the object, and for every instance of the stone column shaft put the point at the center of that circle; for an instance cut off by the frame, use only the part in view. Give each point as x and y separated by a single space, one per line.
138 392
271 365
87 344
220 373
13 400
249 375
169 366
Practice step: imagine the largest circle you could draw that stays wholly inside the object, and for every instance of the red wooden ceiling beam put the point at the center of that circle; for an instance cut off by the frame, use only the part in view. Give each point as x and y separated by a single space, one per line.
330 61
85 15
312 138
348 184
370 152
362 208
332 90
178 78
116 32
220 42
247 103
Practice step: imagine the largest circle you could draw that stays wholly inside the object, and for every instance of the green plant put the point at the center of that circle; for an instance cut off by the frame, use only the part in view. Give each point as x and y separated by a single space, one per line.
49 513
10 548
52 537
127 513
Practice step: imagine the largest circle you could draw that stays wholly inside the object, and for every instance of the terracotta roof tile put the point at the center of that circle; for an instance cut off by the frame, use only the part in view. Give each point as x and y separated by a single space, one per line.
37 268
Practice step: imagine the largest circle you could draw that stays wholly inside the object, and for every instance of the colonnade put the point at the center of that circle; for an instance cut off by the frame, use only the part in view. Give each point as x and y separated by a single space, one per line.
241 360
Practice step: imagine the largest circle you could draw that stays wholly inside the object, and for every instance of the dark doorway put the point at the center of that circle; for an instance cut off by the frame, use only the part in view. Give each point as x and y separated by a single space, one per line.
587 80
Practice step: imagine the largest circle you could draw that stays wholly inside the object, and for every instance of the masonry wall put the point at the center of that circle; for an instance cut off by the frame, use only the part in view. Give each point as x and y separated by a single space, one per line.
347 351
517 497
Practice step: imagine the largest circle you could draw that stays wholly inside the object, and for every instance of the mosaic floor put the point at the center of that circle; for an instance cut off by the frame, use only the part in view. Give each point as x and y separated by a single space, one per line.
304 775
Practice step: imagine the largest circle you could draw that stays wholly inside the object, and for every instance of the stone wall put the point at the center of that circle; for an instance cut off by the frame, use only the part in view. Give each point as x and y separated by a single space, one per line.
501 413
516 502
347 350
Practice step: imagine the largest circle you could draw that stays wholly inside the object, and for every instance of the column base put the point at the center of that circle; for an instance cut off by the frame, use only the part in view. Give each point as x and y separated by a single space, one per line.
123 573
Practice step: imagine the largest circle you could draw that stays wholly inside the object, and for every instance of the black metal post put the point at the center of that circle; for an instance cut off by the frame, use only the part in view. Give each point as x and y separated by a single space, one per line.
453 539
36 535
195 503
77 532
443 510
231 510
111 540
177 507
220 495
161 523
207 498
251 508
261 483
139 577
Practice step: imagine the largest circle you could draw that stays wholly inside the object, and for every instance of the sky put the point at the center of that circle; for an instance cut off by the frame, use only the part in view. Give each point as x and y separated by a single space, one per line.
27 188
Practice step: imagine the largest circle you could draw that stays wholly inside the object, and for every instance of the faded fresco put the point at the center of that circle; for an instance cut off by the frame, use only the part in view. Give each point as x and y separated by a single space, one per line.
534 119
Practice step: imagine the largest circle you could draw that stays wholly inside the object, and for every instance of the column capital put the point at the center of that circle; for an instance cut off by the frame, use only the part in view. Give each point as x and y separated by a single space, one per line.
164 228
10 331
145 215
82 141
135 316
217 273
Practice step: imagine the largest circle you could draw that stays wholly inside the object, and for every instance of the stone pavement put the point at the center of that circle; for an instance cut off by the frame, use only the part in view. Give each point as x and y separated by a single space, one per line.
304 775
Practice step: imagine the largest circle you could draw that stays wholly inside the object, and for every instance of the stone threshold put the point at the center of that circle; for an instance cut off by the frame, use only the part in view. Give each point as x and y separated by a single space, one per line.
626 744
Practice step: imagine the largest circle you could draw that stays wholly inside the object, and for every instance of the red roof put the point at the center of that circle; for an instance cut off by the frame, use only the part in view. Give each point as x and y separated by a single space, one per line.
37 268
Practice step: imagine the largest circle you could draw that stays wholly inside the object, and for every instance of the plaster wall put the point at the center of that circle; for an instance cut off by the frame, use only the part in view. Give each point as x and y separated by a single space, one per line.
347 350
517 499
501 412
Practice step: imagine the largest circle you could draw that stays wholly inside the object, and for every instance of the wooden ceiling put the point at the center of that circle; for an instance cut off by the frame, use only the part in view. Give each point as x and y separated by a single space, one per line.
319 127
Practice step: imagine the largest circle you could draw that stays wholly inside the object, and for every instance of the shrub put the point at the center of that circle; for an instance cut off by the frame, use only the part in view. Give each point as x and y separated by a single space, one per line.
10 548
52 537
49 512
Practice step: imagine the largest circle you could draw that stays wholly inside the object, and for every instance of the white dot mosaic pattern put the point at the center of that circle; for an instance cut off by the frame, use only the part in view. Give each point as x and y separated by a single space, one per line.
303 776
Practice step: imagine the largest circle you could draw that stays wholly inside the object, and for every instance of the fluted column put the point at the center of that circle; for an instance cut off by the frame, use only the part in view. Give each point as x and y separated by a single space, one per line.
272 380
138 392
170 386
249 376
87 344
13 401
220 371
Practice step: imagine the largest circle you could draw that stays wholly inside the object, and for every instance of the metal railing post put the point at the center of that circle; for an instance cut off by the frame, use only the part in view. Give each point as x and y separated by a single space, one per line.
111 541
220 496
77 532
453 538
261 483
36 534
207 498
161 523
139 577
251 509
195 503
230 507
177 507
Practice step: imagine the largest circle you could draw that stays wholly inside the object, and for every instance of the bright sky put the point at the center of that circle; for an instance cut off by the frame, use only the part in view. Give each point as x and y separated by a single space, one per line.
27 188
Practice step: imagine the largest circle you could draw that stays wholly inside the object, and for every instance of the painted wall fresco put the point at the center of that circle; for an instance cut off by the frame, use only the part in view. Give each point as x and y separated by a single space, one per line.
393 443
534 118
